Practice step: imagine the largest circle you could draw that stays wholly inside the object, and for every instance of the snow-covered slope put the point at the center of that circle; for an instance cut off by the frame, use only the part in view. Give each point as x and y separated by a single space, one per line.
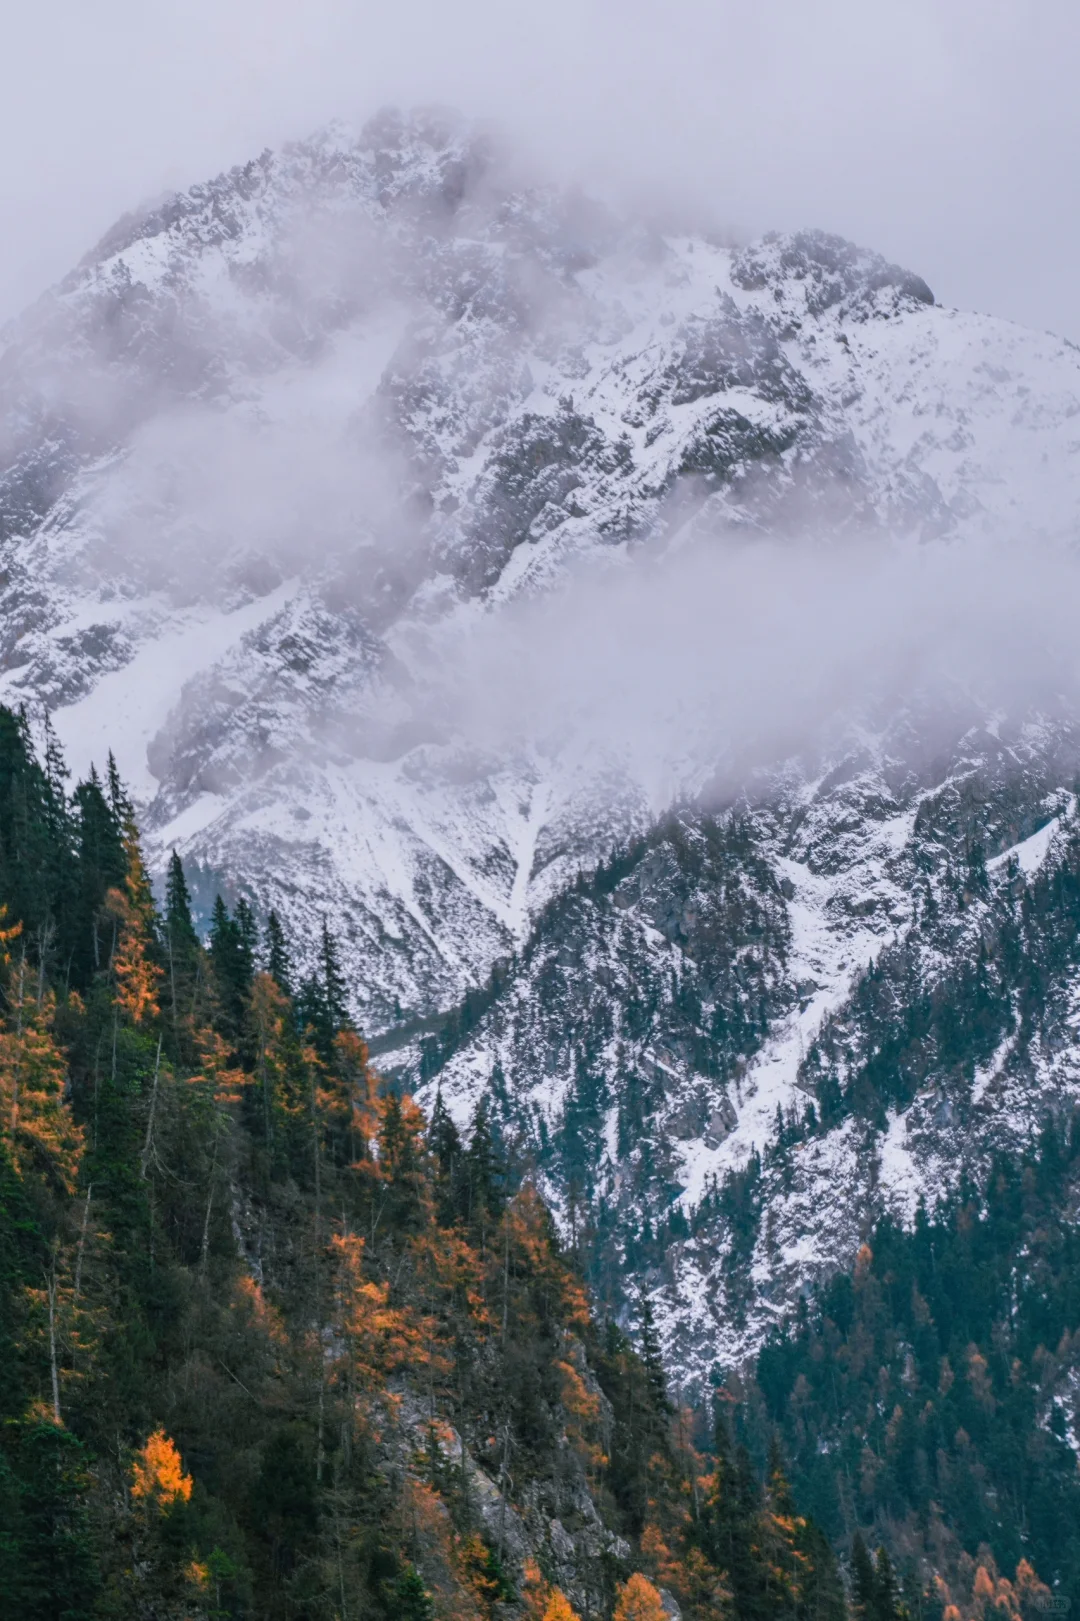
276 443
752 1032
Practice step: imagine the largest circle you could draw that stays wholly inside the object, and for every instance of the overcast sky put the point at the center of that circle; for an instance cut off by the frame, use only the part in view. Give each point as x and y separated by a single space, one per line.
942 132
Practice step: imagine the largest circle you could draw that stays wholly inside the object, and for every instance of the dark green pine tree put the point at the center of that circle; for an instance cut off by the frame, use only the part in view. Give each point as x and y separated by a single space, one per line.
652 1359
232 962
182 949
889 1607
119 802
37 873
247 941
824 1598
56 771
399 1158
805 1553
102 865
333 980
729 1522
277 956
62 876
408 1599
451 1179
863 1581
322 1007
485 1168
48 1568
179 928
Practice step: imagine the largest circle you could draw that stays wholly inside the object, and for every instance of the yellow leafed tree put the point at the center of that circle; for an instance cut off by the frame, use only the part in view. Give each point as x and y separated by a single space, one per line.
559 1608
381 1338
36 1120
267 1017
158 1474
137 977
638 1600
362 1089
542 1601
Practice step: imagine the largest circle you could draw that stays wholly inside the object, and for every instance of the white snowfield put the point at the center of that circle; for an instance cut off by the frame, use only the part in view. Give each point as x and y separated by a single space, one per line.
358 402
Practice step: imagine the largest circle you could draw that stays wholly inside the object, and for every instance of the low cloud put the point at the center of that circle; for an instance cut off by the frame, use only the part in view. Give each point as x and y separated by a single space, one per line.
702 665
943 136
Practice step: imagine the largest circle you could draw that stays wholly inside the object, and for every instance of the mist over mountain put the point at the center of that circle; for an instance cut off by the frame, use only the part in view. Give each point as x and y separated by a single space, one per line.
651 660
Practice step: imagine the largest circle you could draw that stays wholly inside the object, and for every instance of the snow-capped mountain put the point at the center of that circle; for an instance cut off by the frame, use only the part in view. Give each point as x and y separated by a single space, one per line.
278 444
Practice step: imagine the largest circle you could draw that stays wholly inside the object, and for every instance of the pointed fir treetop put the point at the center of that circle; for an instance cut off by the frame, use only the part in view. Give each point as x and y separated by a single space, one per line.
247 937
333 979
321 1003
651 1356
485 1165
276 954
444 1138
180 930
119 801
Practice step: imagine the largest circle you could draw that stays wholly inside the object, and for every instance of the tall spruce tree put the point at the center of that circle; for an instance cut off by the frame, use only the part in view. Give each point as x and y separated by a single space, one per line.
335 991
485 1167
183 952
276 954
102 865
322 1001
444 1140
232 960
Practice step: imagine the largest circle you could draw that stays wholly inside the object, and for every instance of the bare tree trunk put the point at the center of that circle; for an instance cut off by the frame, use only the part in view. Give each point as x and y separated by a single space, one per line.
45 934
319 1451
172 982
50 1286
148 1144
82 1243
503 1476
506 1271
340 1563
18 1050
505 1484
195 987
209 1204
263 1086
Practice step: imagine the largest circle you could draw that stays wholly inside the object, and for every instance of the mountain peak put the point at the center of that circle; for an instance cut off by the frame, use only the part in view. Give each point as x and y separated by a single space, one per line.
830 273
333 494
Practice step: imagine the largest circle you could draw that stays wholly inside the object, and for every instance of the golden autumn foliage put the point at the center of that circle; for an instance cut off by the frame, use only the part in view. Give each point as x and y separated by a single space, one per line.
360 1087
474 1562
222 1080
198 1574
33 1074
530 1227
158 1474
992 1595
542 1601
250 1307
695 1581
8 933
638 1600
559 1608
581 1404
381 1338
137 978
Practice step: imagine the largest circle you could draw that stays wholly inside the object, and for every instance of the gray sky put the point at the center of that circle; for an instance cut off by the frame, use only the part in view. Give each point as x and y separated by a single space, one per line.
942 132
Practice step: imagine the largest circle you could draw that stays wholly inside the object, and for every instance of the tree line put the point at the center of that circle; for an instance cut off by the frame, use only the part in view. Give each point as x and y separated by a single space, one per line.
274 1345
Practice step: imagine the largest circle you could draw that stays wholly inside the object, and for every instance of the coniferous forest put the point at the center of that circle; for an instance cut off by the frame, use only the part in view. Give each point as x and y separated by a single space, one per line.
274 1345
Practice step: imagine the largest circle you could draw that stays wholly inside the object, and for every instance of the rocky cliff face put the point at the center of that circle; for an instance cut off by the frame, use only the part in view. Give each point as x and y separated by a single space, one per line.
751 1033
278 443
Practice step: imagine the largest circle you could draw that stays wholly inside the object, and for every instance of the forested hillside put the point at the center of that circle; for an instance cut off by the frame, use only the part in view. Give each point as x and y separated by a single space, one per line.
272 1346
932 1395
